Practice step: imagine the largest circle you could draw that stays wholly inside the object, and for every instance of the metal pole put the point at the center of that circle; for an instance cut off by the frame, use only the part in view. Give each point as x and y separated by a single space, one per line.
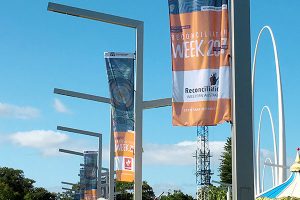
99 184
242 130
111 161
138 112
70 152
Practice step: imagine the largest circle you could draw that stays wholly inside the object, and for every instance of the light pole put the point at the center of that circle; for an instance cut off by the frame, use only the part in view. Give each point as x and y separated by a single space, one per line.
242 129
139 103
93 134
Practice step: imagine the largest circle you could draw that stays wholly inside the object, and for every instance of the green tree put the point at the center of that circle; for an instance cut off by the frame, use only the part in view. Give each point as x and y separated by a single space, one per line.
225 168
147 190
15 180
176 195
7 193
15 186
125 191
39 194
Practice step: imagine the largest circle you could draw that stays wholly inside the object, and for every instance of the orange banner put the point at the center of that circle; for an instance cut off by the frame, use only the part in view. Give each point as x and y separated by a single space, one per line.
200 62
124 154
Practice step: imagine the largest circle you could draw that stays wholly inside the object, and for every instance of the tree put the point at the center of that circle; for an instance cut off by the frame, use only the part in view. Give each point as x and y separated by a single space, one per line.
125 190
7 192
15 180
39 194
147 191
176 195
225 168
14 186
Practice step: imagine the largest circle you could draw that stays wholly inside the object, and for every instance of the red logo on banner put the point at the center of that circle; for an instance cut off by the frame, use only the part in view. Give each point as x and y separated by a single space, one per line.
128 163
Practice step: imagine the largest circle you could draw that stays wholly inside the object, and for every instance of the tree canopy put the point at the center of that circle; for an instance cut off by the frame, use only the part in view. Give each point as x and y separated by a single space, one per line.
176 195
14 186
225 168
126 191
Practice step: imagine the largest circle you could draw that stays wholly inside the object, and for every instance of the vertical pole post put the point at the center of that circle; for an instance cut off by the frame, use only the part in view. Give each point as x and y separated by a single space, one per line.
242 130
138 114
111 161
99 185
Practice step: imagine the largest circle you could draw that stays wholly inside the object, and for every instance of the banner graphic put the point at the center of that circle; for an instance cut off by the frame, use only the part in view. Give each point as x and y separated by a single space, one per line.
90 175
120 71
81 183
200 46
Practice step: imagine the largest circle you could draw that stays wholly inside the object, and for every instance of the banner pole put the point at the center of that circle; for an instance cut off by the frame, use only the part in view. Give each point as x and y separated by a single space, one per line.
111 161
242 130
99 185
138 114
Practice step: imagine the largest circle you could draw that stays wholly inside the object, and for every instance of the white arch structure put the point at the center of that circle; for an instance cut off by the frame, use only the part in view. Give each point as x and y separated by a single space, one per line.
275 175
263 174
281 125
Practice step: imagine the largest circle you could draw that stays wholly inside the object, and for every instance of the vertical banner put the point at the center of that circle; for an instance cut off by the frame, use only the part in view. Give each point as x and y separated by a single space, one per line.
90 175
81 183
120 71
200 62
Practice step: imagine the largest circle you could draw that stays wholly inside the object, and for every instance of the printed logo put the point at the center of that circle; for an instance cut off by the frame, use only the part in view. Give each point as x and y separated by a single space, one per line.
128 163
213 79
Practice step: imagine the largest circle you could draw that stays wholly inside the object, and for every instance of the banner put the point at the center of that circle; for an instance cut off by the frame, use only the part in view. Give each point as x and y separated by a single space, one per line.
81 183
90 175
200 62
120 71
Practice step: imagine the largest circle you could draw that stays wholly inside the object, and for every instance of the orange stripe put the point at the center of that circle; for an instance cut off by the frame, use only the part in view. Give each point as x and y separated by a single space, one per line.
124 144
124 175
202 23
203 113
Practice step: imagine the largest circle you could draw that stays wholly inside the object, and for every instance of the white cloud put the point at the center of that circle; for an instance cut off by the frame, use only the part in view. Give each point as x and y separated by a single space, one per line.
60 107
12 111
46 141
179 154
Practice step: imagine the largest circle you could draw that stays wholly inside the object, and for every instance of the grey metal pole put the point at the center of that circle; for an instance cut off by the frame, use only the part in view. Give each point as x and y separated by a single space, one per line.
111 161
99 184
242 130
138 112
70 152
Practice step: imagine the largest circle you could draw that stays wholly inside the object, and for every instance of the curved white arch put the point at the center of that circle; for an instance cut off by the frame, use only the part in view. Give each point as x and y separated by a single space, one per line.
263 175
260 189
281 125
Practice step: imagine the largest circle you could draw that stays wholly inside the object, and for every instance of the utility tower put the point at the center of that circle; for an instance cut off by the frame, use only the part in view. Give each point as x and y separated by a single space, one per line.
203 171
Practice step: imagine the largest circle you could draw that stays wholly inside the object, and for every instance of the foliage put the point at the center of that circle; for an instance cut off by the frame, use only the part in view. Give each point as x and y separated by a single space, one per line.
15 182
7 192
39 194
176 195
14 186
126 191
225 168
217 193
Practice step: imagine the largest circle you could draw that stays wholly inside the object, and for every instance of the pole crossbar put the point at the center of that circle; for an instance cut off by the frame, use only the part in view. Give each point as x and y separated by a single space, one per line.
67 183
157 103
274 165
70 152
88 14
68 189
81 95
82 132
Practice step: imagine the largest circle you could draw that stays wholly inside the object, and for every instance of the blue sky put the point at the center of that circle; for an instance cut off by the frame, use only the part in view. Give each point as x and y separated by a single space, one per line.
41 50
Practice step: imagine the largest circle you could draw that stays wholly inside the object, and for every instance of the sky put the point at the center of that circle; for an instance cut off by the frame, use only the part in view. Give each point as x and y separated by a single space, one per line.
42 50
